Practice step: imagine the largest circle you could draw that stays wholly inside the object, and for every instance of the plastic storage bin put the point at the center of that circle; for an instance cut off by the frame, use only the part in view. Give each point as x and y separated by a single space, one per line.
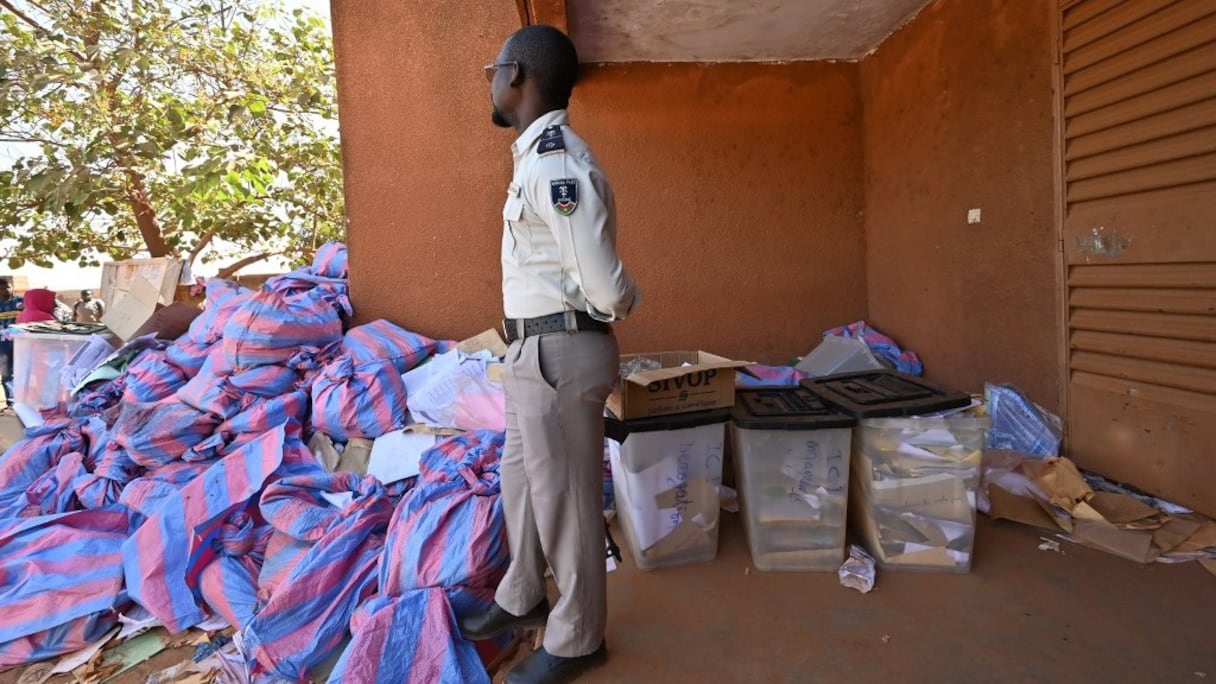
38 359
791 455
914 478
667 473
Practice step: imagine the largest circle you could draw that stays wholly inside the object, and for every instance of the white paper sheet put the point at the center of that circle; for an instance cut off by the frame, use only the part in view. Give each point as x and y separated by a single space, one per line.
136 621
397 455
434 387
338 500
87 358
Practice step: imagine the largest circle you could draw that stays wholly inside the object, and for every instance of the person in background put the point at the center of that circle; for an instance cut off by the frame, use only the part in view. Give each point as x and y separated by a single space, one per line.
89 310
39 306
10 308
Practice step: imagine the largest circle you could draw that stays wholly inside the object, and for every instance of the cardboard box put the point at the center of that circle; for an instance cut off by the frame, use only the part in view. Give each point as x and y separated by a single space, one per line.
128 315
708 382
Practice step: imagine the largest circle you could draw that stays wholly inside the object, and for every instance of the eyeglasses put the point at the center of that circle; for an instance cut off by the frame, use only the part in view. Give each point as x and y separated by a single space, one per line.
492 69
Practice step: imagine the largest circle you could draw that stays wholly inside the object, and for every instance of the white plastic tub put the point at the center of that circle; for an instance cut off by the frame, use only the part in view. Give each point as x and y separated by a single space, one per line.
667 475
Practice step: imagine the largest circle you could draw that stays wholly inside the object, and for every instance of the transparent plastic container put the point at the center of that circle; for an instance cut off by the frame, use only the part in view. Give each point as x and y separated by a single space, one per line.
913 490
667 476
38 359
791 457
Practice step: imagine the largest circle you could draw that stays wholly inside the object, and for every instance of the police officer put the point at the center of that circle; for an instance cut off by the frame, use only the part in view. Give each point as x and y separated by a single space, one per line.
563 284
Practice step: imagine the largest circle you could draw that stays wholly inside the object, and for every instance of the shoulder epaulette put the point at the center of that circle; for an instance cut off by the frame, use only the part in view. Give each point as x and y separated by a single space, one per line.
551 140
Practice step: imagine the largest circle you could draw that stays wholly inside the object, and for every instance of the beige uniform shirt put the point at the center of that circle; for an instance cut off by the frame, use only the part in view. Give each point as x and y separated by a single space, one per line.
559 229
89 312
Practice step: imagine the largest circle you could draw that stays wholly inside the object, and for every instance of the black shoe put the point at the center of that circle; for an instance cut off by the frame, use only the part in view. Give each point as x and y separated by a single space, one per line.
543 667
495 621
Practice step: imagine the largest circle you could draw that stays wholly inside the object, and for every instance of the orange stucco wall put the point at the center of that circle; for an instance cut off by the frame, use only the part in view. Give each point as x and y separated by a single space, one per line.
958 115
739 187
758 204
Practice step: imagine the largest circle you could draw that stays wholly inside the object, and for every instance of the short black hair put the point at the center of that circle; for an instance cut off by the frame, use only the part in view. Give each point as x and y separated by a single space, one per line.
547 55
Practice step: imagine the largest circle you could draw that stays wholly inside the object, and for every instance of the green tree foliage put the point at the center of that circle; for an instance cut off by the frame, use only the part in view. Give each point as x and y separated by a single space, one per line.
158 127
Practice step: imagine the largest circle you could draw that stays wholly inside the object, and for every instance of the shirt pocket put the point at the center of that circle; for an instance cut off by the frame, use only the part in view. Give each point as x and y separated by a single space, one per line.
517 227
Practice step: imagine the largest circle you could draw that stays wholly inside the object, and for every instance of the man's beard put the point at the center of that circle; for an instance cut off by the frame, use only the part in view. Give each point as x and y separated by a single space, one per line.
498 119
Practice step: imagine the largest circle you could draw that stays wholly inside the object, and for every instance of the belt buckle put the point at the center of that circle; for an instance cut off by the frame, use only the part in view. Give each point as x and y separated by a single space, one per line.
518 326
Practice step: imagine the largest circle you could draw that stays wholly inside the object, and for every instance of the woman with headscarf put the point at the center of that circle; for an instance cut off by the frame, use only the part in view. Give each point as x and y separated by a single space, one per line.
39 306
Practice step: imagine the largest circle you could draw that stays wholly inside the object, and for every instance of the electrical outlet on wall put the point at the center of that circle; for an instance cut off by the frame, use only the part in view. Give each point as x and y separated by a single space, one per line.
973 216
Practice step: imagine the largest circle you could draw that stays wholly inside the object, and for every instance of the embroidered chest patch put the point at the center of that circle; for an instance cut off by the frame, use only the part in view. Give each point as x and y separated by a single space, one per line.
551 140
564 193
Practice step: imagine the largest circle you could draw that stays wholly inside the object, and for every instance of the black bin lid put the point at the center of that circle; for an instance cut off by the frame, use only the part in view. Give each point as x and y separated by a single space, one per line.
885 394
786 408
619 430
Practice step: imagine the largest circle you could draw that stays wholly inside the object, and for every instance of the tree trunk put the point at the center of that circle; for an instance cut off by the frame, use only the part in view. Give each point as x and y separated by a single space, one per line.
145 215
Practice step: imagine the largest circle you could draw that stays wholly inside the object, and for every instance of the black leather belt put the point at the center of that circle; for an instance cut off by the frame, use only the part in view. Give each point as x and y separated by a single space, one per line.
569 321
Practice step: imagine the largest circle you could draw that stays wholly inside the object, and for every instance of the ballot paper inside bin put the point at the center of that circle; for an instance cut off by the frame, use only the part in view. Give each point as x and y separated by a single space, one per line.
791 454
667 474
913 490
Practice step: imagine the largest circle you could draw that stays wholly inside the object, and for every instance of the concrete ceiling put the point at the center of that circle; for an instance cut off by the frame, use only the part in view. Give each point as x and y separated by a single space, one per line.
732 30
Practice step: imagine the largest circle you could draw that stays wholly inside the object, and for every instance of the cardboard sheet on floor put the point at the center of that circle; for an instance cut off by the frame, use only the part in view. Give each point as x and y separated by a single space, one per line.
1203 538
1020 509
1134 546
1060 480
1173 533
1120 508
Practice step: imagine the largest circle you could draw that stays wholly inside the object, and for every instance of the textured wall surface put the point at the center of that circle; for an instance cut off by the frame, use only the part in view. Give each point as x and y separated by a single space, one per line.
958 116
739 187
758 205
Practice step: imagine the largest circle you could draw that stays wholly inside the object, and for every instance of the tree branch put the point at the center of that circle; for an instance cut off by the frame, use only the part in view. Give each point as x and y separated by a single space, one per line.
33 140
25 18
44 31
200 246
230 271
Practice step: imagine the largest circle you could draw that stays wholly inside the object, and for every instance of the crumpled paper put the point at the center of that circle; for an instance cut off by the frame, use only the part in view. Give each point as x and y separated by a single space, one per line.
858 572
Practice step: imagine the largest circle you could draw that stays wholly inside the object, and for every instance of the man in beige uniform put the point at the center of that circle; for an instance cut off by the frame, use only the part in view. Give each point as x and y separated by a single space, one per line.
562 285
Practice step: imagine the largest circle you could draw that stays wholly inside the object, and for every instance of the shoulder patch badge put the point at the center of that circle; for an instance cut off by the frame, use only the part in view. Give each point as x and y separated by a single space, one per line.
564 193
551 140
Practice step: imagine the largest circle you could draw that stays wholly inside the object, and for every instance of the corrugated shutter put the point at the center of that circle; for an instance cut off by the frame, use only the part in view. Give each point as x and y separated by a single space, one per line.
1138 112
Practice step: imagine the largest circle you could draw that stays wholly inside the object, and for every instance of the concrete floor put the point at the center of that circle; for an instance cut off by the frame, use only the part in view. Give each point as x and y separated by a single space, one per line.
1022 615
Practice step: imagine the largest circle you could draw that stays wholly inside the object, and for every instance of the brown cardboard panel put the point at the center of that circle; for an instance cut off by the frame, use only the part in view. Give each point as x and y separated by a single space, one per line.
1121 508
1020 509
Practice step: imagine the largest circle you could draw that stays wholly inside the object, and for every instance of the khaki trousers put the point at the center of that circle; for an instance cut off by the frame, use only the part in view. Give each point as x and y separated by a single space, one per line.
552 482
